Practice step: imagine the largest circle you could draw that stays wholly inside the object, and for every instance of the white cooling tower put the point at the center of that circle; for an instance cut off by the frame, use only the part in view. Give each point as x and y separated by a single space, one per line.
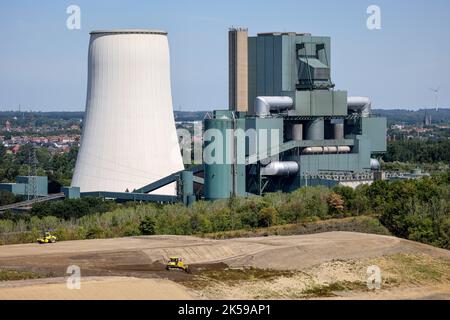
129 137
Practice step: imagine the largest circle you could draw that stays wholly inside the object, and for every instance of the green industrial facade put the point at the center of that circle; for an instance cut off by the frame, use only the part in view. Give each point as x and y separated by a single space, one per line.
28 185
274 64
331 138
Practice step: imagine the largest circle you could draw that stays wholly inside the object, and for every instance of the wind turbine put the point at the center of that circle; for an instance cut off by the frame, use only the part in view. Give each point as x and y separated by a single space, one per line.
436 96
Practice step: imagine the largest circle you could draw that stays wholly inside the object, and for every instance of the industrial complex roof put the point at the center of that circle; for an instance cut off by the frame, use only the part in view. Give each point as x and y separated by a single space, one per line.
125 31
283 34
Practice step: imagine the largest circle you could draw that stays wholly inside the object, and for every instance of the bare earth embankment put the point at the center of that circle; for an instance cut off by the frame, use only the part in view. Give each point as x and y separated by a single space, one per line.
326 265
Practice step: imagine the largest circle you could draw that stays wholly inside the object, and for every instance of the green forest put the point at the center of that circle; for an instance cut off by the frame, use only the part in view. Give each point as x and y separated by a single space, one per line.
418 151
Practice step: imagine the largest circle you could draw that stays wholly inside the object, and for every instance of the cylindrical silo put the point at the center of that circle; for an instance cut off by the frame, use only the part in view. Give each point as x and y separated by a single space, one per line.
315 129
338 130
129 138
218 168
187 186
297 132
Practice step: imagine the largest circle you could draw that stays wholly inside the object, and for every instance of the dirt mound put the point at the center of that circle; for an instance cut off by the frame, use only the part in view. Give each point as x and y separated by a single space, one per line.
246 261
137 256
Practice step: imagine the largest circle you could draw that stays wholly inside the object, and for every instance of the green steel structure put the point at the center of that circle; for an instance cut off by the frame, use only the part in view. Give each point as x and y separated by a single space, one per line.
294 65
321 137
35 186
223 175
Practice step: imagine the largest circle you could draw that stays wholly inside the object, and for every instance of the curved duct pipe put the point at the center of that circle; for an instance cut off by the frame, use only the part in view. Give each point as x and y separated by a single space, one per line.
328 150
361 105
280 168
315 129
264 105
375 164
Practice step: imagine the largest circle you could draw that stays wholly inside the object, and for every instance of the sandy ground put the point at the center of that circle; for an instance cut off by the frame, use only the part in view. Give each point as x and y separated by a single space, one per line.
133 267
436 292
99 288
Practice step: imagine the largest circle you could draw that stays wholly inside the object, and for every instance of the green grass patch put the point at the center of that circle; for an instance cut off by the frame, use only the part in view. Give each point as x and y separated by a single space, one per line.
231 276
362 224
414 268
245 274
8 275
328 290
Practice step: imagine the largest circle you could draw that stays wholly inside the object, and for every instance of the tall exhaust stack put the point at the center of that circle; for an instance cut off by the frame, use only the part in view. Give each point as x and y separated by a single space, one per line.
238 69
129 138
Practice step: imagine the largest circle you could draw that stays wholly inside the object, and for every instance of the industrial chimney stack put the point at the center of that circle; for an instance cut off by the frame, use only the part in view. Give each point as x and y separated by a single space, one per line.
238 69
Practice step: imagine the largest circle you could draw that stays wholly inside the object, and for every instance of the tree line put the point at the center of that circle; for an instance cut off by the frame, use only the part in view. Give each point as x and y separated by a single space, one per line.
418 210
417 151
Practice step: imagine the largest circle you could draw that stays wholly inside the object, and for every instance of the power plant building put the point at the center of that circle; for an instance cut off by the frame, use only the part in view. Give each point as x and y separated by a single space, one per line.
298 130
323 136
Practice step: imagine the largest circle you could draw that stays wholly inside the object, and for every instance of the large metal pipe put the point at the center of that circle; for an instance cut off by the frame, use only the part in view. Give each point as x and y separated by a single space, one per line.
375 164
338 131
264 105
297 132
327 150
311 150
280 168
315 129
361 105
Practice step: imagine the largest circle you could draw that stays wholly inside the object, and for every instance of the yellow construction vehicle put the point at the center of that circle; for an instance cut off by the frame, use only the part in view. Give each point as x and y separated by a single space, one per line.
177 263
47 238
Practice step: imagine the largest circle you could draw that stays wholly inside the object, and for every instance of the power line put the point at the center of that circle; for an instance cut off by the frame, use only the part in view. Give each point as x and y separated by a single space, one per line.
32 173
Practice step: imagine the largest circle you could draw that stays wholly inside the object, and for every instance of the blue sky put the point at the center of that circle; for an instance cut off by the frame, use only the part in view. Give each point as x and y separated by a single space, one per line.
43 65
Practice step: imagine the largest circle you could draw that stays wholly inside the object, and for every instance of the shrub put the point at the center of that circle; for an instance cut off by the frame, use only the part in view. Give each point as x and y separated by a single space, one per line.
7 197
267 216
95 232
147 226
223 220
72 208
335 204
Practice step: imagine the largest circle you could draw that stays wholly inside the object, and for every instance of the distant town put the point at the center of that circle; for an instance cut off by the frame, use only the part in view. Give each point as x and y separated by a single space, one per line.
60 131
40 129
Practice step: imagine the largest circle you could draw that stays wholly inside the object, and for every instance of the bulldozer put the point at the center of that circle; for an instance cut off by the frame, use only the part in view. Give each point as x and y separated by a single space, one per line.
177 263
47 238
